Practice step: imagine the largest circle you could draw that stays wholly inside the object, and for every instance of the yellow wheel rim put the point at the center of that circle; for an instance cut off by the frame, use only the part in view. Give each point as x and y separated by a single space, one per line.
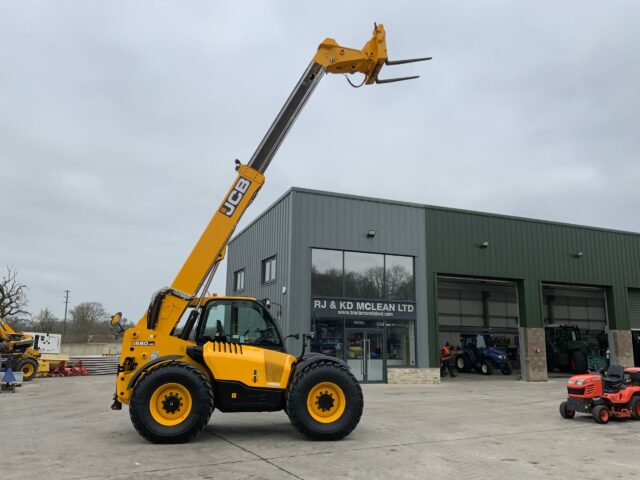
28 370
170 404
326 402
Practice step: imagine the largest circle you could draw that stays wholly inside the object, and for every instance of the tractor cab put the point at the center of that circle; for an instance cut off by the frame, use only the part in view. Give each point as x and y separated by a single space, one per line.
242 321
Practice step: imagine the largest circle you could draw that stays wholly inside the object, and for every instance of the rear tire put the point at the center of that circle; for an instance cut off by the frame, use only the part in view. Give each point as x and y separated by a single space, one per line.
565 412
578 362
28 367
634 406
601 414
158 398
461 363
325 401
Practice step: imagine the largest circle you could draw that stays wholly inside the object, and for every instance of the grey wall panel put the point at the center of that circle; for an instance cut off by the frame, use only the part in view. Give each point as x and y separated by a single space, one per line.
323 220
269 235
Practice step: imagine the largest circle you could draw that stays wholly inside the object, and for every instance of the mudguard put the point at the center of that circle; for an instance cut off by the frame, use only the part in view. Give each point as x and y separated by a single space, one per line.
313 357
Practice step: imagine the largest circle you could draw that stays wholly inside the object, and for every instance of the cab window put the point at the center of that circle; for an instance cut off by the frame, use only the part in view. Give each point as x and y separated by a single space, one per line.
238 322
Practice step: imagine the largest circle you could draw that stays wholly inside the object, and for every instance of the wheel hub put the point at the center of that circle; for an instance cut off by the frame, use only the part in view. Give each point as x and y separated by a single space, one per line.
325 401
171 403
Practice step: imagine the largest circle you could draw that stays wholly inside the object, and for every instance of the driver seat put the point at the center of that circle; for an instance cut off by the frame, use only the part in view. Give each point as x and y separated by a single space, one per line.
614 379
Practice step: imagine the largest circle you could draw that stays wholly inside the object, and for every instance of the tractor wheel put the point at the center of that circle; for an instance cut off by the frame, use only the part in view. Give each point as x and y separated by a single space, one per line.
565 412
172 403
486 368
634 406
601 414
506 368
462 363
578 362
324 401
28 367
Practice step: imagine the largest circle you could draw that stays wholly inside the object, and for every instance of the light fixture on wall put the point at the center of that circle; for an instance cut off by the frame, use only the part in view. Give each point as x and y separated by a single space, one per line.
371 233
484 244
578 254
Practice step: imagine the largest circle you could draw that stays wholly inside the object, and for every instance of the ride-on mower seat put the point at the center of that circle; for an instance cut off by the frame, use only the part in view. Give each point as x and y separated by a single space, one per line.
614 379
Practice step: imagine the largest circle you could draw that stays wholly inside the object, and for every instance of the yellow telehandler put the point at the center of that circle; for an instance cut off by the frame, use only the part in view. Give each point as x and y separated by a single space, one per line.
191 353
19 348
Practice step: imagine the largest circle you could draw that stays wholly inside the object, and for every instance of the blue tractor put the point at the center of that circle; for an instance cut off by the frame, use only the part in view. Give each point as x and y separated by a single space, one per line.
477 352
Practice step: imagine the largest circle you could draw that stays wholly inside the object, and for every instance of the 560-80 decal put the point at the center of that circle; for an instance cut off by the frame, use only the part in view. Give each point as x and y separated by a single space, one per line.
142 344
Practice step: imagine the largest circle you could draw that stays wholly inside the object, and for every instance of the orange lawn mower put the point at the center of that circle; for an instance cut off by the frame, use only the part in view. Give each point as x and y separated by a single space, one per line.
614 395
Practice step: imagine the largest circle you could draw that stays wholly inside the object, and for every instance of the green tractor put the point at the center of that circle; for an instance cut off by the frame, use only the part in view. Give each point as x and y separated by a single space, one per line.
566 351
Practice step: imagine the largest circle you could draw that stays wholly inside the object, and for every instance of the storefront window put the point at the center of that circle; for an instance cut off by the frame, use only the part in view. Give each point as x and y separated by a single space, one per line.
364 275
326 272
401 344
329 339
398 277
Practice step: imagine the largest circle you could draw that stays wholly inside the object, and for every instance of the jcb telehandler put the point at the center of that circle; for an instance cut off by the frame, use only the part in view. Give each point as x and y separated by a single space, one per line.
228 353
19 349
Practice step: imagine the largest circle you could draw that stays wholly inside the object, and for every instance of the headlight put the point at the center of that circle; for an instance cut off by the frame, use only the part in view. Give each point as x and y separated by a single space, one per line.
571 381
582 382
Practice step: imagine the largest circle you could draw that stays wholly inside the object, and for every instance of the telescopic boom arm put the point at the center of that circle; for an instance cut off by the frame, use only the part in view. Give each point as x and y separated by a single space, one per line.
168 304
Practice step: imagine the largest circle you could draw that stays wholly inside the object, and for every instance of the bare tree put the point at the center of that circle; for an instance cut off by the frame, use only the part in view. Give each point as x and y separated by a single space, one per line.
13 295
88 318
47 322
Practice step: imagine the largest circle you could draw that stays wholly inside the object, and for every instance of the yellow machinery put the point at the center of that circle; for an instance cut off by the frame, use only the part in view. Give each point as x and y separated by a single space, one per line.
191 353
19 348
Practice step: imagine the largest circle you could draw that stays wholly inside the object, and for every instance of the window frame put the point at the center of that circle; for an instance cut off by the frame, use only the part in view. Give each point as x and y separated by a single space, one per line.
237 274
273 265
266 316
385 296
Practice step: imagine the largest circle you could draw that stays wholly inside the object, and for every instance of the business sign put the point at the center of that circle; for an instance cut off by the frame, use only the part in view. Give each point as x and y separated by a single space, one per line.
373 309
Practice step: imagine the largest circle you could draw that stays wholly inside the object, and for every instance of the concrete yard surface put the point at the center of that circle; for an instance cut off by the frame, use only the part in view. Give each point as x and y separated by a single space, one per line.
473 427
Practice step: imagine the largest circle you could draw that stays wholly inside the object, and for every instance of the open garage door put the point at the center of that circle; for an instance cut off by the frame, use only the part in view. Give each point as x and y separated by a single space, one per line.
634 321
576 328
467 305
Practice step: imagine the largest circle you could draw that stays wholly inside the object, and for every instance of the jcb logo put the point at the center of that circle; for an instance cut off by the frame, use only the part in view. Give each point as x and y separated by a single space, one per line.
232 201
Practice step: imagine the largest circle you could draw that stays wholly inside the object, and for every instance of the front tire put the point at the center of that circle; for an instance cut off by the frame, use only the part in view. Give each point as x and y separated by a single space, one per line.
325 401
506 368
565 412
28 367
486 368
172 403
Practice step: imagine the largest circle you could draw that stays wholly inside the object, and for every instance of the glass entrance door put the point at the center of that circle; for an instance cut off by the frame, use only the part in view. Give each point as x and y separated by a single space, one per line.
365 354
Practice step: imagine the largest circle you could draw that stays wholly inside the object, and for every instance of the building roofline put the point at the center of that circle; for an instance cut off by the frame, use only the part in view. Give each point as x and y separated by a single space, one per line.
326 193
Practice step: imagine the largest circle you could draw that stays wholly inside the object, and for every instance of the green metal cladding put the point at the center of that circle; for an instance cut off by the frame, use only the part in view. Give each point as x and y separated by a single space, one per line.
532 252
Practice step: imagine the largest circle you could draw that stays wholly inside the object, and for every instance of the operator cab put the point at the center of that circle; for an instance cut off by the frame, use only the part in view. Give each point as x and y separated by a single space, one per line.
476 341
241 321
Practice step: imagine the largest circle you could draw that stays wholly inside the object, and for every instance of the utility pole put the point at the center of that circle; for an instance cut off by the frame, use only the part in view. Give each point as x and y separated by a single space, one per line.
66 305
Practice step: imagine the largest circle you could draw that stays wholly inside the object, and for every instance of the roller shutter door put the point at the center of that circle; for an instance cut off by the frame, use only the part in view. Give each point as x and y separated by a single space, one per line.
634 308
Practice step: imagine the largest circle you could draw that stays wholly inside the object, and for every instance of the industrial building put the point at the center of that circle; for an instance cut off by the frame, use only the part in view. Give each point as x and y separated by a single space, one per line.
384 284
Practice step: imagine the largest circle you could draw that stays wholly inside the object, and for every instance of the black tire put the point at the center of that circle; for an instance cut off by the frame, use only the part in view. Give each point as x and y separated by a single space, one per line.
29 364
189 377
462 363
601 414
506 368
565 412
485 368
551 364
302 384
634 406
580 362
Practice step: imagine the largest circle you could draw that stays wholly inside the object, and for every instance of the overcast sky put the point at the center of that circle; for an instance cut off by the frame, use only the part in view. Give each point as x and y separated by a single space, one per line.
120 121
